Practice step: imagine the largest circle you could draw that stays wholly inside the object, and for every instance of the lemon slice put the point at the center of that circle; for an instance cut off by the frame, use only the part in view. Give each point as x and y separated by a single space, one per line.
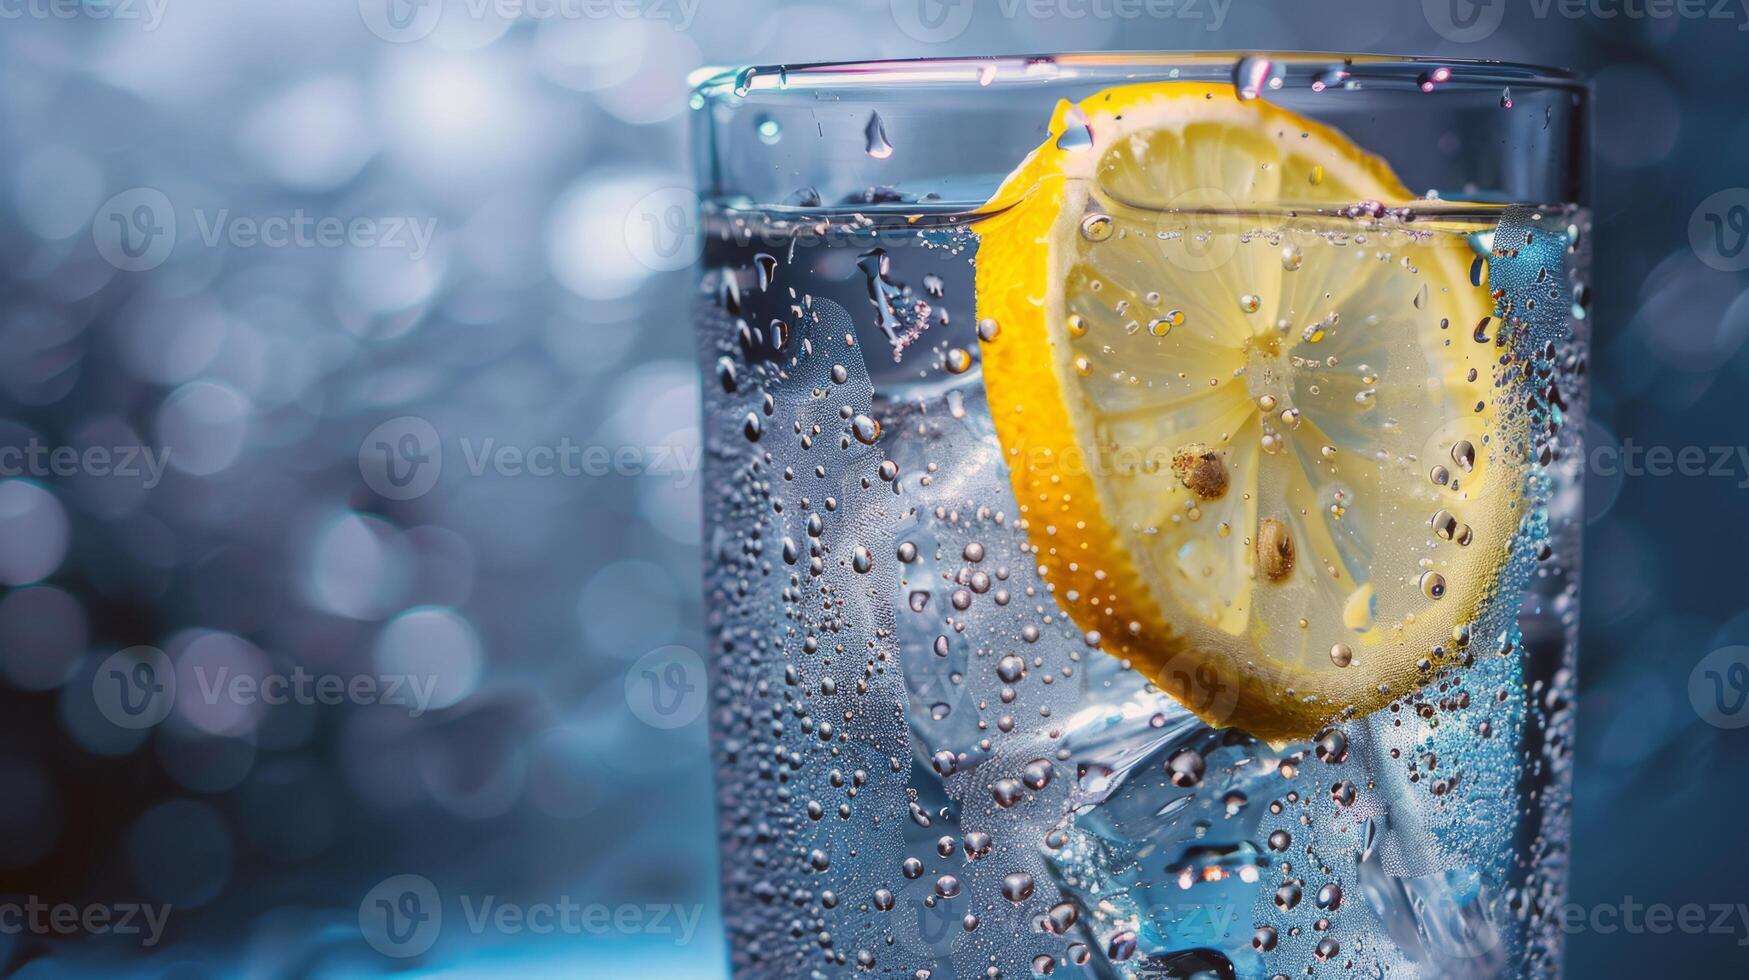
1257 447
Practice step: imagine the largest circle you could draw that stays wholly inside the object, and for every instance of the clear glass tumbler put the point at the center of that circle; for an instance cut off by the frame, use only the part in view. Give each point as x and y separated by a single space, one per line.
1143 513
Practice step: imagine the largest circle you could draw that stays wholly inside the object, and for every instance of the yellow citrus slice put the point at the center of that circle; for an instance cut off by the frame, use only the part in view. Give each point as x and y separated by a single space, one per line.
1256 443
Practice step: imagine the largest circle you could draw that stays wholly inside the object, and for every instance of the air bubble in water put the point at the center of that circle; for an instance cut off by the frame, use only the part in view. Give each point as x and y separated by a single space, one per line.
1464 454
1096 227
1433 585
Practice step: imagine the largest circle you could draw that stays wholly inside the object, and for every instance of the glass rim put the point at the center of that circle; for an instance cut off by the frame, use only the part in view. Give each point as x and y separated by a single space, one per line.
716 83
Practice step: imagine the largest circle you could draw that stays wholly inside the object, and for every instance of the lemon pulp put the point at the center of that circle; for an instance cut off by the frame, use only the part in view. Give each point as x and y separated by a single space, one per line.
1257 443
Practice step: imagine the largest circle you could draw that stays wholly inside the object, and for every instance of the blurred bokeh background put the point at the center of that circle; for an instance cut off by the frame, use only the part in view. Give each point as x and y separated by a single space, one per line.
411 601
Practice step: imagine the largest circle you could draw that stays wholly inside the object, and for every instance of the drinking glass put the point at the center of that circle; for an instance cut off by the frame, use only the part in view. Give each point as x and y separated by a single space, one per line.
1025 659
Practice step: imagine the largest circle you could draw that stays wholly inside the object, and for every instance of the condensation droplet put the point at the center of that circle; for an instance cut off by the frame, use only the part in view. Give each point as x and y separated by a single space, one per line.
876 132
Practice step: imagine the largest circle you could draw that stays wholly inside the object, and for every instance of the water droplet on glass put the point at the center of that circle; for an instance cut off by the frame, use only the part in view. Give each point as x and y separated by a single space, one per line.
1287 896
876 132
865 429
1332 746
1017 887
1077 135
988 329
1254 76
1185 768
